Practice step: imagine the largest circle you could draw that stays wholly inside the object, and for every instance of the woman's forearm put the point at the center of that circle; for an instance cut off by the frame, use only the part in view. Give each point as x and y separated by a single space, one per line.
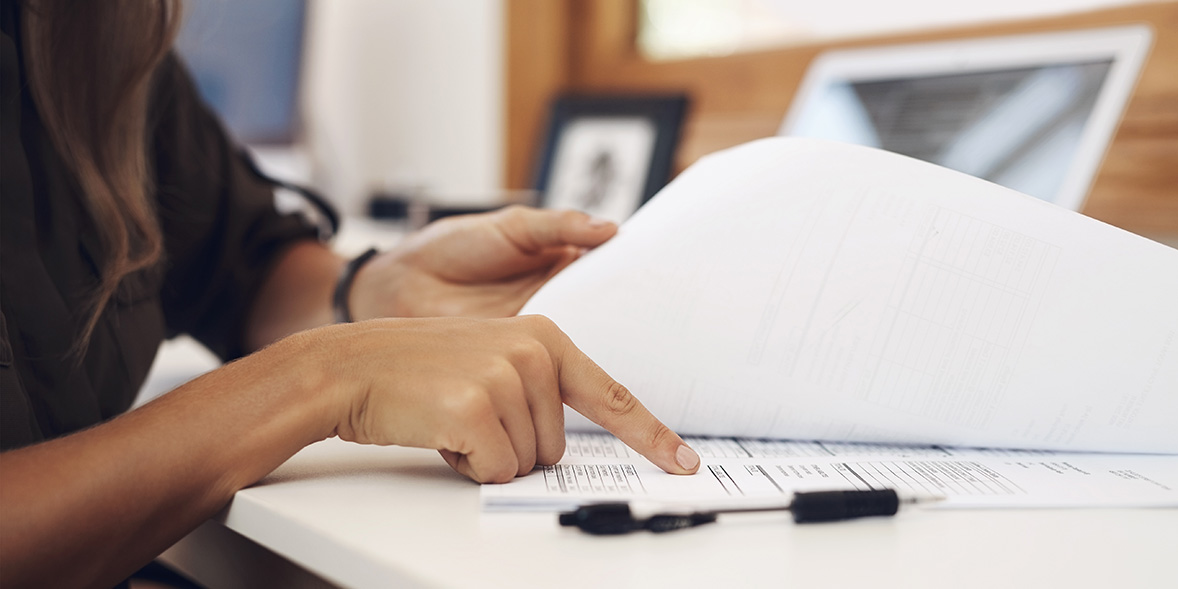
295 296
90 508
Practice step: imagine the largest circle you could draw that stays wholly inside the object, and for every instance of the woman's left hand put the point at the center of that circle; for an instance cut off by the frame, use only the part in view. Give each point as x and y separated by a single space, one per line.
485 265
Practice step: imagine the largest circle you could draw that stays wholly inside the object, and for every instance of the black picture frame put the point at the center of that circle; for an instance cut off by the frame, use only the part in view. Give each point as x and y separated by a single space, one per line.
607 155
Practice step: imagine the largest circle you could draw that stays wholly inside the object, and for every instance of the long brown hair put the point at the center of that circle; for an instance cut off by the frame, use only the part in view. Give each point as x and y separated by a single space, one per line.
90 65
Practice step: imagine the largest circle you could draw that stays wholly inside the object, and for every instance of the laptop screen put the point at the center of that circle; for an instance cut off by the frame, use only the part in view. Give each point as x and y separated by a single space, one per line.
1023 125
1018 128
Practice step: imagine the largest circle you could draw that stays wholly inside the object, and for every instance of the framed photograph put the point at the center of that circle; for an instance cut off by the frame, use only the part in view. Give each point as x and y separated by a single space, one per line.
607 155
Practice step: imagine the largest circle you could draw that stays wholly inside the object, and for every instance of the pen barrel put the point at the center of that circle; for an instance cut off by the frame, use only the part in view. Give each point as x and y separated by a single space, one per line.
602 519
828 506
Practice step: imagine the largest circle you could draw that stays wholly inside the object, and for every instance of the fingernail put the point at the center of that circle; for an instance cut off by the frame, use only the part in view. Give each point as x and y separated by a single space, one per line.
598 222
686 457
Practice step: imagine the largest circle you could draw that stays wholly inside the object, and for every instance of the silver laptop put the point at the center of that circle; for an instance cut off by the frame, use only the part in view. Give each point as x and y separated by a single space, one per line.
1034 113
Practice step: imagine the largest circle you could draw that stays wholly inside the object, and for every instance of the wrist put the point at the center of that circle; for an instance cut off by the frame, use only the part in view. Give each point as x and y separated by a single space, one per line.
341 295
302 371
333 380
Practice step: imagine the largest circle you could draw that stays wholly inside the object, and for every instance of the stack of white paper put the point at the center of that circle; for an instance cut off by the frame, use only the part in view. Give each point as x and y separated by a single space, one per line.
801 289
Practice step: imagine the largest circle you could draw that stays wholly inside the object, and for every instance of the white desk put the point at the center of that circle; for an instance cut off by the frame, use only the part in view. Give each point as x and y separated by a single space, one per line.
380 517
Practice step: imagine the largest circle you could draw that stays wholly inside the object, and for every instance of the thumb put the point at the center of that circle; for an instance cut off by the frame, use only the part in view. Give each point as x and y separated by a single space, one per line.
533 230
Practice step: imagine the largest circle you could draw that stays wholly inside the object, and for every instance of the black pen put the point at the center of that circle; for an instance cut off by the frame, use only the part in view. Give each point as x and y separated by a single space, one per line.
812 507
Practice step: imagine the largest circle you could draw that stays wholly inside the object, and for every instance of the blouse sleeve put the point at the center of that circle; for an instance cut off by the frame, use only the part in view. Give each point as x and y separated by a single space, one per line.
222 233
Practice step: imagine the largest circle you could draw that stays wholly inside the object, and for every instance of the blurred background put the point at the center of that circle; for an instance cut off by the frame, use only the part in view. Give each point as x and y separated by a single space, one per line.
447 101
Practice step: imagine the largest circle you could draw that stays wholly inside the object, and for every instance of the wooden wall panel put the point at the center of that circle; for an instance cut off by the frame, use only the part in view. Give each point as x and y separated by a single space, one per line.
743 97
537 68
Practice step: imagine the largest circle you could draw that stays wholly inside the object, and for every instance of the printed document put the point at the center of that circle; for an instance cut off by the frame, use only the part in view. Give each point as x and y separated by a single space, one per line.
597 468
895 311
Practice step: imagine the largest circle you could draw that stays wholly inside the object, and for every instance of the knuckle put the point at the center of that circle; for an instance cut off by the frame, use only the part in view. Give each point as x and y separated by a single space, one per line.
502 472
540 324
468 405
525 466
499 372
529 351
551 454
659 435
618 400
513 211
534 320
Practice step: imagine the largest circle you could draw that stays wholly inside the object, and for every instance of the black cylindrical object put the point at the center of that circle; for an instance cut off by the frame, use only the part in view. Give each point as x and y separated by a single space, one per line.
828 506
602 519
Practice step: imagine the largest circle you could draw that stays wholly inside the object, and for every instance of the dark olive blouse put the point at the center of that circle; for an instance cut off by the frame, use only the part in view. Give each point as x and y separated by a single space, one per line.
221 235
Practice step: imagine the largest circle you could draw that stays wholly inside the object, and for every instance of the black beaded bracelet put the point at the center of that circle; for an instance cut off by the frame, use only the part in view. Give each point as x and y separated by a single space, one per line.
343 286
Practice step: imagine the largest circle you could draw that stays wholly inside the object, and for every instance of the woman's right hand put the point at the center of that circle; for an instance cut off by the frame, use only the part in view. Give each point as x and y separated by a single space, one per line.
487 394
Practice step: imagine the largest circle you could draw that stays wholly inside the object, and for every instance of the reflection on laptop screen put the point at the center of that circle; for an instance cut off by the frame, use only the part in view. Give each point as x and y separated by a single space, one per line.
1017 128
1024 125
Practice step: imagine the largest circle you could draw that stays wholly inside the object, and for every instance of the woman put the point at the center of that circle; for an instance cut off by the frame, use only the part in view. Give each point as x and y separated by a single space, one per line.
127 217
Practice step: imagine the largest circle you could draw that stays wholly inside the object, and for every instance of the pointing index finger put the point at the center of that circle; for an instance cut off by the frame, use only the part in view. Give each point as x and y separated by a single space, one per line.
587 388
